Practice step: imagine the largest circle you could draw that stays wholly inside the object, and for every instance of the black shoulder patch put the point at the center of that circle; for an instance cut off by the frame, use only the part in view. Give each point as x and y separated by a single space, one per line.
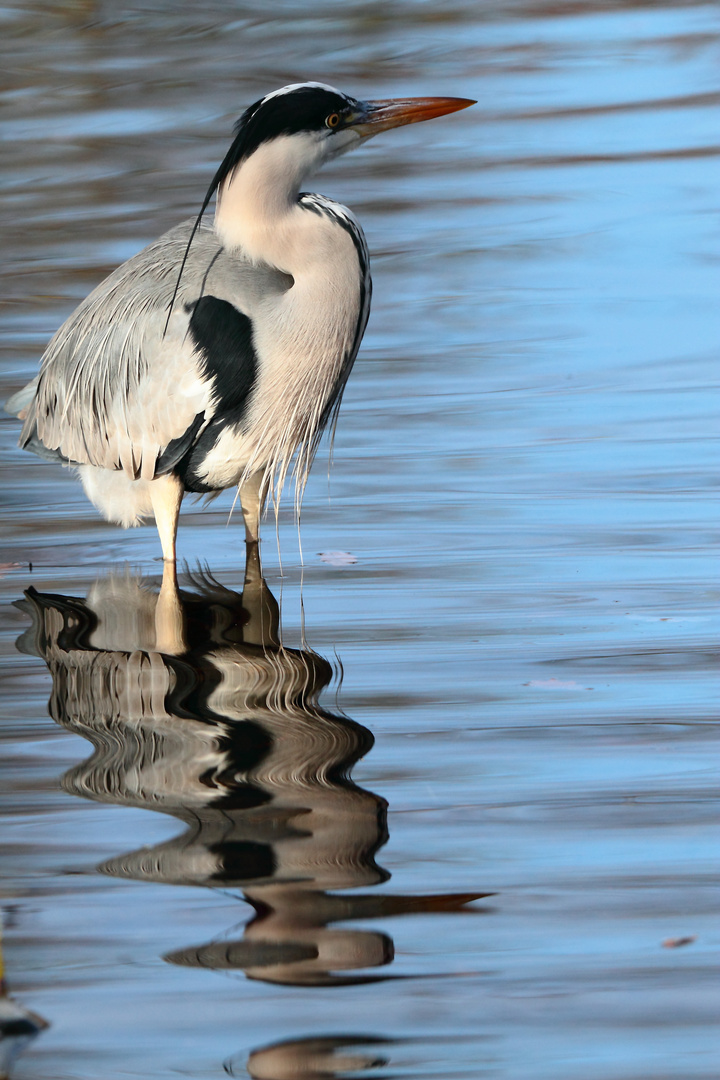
224 337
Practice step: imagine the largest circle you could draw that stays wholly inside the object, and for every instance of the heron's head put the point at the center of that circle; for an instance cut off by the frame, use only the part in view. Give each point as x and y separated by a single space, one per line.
301 126
291 132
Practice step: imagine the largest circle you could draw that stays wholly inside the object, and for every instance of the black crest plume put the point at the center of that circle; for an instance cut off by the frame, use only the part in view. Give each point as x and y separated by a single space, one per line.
234 155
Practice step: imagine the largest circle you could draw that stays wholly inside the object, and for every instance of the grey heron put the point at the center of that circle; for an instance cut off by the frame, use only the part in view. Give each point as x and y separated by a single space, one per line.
217 356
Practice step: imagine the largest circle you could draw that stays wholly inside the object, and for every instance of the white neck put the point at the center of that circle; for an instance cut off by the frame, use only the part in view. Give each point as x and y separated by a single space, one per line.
257 208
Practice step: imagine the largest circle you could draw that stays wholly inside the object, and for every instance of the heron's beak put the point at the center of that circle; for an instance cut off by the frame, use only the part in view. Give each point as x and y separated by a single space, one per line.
396 112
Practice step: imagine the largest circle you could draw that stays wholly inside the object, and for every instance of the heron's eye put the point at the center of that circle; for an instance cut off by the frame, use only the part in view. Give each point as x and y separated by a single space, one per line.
333 120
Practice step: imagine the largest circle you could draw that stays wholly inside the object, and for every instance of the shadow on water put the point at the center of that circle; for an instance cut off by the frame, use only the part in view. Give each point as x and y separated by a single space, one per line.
225 732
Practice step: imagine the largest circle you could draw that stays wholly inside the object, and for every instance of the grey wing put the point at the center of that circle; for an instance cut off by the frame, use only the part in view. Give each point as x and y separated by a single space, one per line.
116 389
18 404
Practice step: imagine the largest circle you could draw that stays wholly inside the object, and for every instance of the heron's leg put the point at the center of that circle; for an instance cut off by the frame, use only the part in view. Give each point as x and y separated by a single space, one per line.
252 507
166 494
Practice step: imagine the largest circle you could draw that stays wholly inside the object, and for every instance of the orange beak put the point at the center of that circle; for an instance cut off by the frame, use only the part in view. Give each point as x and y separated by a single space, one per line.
396 112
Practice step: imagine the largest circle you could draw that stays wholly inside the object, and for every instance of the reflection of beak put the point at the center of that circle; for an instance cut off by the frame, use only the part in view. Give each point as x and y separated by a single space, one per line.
395 112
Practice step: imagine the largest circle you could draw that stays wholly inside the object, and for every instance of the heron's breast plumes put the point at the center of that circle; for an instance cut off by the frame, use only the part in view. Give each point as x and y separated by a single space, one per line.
306 355
306 342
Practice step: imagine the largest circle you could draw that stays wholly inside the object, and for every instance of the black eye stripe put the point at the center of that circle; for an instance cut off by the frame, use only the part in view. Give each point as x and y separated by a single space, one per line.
306 108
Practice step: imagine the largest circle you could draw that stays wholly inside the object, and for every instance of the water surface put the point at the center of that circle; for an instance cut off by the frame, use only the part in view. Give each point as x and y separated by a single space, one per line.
499 663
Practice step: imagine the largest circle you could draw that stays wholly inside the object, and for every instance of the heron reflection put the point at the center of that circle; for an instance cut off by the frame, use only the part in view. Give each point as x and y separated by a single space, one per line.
318 1058
224 731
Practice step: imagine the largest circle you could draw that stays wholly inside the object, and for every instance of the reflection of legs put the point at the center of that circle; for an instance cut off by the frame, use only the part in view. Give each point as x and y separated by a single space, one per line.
263 625
166 493
251 507
169 621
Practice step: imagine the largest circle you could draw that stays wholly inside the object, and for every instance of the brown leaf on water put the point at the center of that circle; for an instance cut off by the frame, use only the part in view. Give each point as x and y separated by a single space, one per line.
678 942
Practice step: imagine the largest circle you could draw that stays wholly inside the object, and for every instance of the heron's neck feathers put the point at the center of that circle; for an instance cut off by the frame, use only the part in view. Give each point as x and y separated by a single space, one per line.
257 207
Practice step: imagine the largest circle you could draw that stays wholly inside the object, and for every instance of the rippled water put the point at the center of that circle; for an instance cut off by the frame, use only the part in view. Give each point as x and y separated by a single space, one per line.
460 824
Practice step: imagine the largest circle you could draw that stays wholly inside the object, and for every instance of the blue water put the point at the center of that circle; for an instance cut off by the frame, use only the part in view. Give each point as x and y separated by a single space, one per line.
508 569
